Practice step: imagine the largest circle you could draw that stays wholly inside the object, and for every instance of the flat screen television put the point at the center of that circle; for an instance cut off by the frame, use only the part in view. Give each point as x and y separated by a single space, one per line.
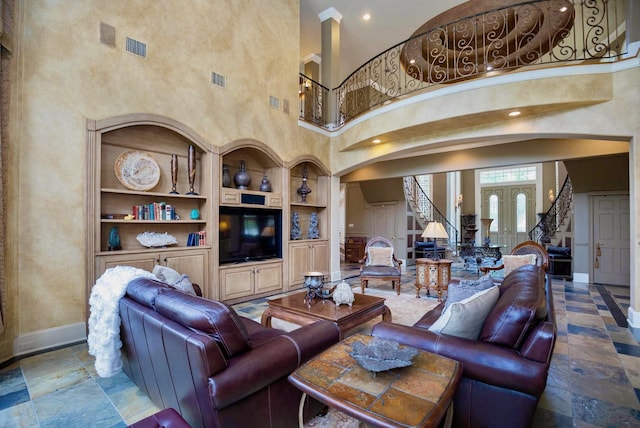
249 234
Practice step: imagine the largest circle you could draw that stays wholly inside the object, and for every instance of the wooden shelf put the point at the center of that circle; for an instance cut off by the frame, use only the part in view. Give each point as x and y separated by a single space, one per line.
155 194
109 220
152 250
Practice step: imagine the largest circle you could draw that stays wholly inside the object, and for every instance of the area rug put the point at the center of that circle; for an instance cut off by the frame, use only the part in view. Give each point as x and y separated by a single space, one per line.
405 309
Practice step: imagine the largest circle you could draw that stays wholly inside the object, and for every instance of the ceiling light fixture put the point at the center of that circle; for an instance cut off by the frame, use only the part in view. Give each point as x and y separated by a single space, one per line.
514 113
366 17
377 141
413 61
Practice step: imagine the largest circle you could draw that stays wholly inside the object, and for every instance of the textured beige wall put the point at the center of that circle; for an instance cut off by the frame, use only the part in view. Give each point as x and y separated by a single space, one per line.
64 75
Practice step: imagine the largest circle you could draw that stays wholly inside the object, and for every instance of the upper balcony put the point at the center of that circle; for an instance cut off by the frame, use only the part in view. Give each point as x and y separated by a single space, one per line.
526 36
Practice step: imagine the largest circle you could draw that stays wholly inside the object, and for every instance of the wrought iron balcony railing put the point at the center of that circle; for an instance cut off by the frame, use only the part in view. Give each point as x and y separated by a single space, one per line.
313 101
531 34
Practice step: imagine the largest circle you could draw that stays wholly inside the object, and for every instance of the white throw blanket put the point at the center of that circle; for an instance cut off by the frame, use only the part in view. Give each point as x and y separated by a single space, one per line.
104 321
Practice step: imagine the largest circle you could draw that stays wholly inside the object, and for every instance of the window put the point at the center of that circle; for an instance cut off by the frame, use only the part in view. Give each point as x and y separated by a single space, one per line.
493 213
521 213
508 175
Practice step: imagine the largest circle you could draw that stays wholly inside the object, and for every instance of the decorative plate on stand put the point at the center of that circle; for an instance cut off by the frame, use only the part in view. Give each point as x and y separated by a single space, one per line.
137 170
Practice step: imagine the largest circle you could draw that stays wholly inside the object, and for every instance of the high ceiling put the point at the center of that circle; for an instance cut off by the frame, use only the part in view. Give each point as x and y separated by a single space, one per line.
391 22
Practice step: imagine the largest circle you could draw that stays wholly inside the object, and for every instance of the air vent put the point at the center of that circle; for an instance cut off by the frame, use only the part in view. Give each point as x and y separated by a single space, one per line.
136 47
218 79
274 102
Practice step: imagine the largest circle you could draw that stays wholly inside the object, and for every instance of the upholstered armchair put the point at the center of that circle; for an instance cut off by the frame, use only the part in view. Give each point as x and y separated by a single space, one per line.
528 252
380 262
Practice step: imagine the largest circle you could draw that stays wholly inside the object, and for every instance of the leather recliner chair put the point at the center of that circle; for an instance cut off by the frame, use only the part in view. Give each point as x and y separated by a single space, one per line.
217 369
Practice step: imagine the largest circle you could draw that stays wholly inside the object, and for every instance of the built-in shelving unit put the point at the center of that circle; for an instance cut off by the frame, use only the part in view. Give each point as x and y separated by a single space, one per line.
258 272
305 254
111 204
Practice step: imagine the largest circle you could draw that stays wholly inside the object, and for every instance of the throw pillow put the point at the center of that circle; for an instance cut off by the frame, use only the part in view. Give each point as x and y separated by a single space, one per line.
381 256
174 279
465 318
512 262
466 288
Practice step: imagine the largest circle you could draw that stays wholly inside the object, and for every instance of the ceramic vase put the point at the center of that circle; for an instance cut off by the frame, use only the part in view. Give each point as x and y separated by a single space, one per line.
191 161
174 174
265 186
226 177
242 178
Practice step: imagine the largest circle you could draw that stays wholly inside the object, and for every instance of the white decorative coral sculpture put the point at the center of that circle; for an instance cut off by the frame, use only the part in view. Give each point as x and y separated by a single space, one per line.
153 239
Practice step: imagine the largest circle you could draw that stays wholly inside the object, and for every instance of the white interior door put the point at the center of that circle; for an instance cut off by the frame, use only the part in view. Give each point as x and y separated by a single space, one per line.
513 211
611 252
384 222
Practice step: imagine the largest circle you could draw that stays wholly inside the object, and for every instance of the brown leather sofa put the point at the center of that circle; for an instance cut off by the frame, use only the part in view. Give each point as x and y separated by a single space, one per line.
505 370
217 369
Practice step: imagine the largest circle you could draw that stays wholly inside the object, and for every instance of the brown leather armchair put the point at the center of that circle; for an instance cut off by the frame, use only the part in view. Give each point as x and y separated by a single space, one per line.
524 248
216 368
380 262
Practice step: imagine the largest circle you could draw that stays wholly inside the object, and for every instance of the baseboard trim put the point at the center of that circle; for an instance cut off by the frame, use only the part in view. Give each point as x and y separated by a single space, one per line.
49 338
581 277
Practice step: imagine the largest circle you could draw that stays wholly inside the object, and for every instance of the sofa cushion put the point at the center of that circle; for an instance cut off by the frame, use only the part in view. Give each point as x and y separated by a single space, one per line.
380 256
210 317
466 288
513 262
145 290
174 279
464 318
522 303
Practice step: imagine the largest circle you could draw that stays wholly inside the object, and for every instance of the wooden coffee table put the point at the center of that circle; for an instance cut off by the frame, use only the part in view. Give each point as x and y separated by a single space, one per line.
416 396
298 310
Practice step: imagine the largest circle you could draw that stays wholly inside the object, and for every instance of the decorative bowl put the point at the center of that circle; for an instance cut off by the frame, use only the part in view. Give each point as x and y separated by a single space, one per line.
382 354
154 239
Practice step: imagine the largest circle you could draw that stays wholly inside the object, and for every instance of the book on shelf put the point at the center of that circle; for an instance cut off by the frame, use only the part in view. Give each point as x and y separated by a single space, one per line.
159 211
196 239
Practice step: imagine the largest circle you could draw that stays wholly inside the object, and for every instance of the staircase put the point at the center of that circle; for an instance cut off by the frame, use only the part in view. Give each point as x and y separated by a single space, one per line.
555 228
426 212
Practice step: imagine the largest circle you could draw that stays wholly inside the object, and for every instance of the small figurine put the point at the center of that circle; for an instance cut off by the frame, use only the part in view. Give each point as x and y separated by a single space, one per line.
296 233
313 227
114 239
343 294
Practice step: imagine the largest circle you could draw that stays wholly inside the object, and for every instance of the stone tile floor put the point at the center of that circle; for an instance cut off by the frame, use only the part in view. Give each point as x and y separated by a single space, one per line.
594 379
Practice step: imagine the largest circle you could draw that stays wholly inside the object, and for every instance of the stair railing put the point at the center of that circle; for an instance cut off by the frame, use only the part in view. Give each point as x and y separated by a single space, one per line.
549 224
426 210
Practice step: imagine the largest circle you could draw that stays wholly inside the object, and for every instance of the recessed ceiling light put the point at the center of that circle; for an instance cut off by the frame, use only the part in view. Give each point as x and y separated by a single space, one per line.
366 17
377 141
514 113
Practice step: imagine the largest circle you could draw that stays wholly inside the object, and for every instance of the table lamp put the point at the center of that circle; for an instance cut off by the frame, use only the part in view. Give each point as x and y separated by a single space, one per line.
435 230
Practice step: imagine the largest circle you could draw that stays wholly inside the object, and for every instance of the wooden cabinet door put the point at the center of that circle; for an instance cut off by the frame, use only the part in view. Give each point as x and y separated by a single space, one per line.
319 256
193 263
236 282
145 261
268 277
298 262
